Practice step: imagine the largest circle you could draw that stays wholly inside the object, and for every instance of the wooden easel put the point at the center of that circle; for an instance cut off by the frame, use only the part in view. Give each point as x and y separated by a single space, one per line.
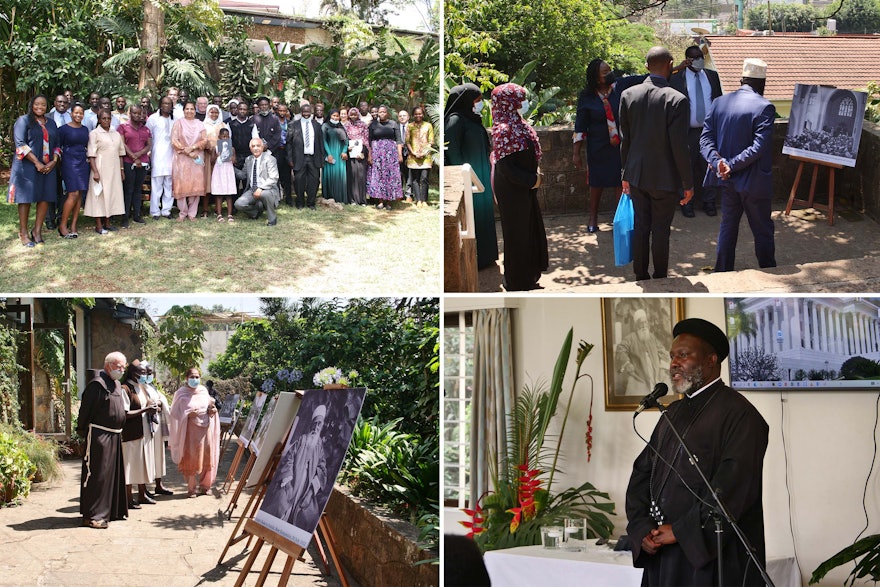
233 503
809 202
255 500
233 468
226 436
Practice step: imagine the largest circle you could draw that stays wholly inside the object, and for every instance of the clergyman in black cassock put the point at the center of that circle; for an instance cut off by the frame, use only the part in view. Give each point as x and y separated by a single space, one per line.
101 417
669 510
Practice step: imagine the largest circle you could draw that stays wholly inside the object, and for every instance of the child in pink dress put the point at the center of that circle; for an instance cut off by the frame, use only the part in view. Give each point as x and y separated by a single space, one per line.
223 176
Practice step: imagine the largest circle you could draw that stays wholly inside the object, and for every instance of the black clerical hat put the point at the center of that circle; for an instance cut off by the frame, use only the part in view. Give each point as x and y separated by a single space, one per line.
708 332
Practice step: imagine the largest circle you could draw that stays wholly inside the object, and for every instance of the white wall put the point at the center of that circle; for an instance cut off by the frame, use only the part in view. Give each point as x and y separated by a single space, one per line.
828 436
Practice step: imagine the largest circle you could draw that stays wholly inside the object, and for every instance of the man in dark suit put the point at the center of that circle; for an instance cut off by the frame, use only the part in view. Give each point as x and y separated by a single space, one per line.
653 150
702 87
305 155
737 141
260 176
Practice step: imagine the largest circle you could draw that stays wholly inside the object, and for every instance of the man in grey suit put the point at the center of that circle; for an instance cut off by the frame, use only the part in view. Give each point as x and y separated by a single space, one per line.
260 174
702 87
653 150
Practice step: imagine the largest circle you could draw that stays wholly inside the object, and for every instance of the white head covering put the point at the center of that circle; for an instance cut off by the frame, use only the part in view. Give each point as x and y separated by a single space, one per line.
320 411
754 68
208 120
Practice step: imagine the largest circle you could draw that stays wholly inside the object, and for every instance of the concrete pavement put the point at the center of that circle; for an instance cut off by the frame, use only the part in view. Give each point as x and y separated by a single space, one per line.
176 542
811 256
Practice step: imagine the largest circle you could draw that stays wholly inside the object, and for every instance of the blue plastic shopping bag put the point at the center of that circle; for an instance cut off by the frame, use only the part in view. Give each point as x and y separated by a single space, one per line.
623 228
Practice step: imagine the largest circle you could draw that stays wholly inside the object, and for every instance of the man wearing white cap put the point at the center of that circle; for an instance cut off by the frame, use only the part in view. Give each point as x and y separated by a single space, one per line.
737 142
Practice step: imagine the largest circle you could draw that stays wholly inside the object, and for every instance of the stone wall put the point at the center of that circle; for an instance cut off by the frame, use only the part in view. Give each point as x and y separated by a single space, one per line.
376 550
565 191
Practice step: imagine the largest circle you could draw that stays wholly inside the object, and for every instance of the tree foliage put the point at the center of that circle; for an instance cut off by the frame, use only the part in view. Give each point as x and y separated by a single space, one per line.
857 16
754 364
860 368
181 334
784 17
393 344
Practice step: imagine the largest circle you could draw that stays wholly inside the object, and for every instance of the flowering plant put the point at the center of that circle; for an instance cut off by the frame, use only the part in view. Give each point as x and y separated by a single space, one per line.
330 375
521 501
285 380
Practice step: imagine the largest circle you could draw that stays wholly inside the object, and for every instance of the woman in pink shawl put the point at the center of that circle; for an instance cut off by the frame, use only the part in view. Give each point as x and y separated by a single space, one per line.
516 177
195 434
189 139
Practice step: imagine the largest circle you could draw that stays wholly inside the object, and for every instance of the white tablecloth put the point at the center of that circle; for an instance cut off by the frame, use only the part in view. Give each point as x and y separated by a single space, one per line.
599 566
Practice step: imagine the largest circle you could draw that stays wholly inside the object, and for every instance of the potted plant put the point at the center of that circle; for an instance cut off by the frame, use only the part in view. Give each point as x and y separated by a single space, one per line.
521 499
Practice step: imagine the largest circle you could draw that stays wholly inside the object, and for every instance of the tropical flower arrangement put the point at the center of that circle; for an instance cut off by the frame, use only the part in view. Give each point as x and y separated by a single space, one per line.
521 499
285 380
331 375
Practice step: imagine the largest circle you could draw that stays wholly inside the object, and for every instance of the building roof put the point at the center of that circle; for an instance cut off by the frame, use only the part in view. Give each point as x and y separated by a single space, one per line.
843 61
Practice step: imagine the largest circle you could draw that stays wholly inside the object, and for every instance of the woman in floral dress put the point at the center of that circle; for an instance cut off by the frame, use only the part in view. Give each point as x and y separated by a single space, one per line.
384 159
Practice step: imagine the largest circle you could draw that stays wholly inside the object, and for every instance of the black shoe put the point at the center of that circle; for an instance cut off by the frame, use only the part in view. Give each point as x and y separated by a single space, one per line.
139 220
688 210
133 505
272 223
125 225
50 224
163 491
709 209
157 217
111 228
147 500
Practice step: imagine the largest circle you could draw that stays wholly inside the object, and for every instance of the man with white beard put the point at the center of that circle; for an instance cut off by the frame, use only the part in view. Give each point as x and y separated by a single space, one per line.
669 510
641 358
304 472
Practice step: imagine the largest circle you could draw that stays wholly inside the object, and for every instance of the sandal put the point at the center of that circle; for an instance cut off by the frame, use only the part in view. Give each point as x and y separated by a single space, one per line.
202 491
97 524
230 218
191 494
220 218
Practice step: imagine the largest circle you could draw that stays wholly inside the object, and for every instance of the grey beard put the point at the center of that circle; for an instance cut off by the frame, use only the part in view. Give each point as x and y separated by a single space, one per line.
690 384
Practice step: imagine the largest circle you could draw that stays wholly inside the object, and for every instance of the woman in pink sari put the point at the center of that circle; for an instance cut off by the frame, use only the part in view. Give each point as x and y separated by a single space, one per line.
189 139
195 434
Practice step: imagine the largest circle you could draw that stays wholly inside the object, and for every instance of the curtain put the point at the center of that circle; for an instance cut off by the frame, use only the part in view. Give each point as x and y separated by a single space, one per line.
494 395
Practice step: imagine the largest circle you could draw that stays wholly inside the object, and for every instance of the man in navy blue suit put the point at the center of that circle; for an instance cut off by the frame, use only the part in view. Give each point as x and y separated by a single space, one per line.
737 143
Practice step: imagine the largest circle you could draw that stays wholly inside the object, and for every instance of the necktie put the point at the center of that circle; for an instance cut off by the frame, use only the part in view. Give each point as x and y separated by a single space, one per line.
254 175
308 136
698 97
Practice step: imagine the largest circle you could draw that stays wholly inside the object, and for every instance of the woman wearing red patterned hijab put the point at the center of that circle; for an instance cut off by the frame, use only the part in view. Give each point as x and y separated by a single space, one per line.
515 181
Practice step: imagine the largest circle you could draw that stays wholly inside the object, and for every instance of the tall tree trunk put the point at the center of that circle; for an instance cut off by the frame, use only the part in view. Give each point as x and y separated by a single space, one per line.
152 41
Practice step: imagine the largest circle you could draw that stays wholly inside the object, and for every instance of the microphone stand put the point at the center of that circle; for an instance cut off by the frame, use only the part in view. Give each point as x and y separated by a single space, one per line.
720 512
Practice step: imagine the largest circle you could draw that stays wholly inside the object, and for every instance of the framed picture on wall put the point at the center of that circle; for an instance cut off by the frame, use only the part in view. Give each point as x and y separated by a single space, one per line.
637 333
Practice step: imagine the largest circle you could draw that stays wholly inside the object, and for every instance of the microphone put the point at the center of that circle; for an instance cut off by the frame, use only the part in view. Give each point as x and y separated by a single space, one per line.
650 400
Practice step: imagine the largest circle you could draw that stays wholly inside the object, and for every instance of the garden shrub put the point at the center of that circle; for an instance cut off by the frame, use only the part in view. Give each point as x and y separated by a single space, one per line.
16 470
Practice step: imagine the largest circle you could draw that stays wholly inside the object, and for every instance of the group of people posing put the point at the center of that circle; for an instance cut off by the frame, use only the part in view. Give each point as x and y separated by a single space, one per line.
248 157
126 422
666 139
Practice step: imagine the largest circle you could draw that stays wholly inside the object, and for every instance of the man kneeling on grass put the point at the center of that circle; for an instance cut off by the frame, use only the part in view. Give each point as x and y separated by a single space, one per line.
260 172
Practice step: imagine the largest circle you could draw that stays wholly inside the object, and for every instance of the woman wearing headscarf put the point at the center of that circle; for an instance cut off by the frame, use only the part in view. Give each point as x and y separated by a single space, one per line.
161 430
137 435
516 177
213 124
106 196
384 159
33 177
189 139
358 149
335 177
596 125
195 434
468 142
419 140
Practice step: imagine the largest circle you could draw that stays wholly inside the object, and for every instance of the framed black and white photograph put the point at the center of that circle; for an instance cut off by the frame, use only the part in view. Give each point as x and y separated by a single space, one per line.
803 344
253 416
227 408
263 426
637 333
311 460
825 124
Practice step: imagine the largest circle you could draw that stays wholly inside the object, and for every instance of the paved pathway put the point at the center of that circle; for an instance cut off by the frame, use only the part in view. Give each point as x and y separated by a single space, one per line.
812 257
175 542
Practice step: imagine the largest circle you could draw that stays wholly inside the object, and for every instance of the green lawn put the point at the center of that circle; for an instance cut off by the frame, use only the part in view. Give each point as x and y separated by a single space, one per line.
356 251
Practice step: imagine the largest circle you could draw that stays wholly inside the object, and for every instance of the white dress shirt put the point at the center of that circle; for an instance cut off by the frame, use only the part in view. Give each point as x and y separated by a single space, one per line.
308 145
691 78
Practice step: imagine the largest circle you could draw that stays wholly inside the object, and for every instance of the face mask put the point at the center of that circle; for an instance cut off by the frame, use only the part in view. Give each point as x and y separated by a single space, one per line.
524 107
142 379
149 378
478 107
698 64
609 79
193 381
116 374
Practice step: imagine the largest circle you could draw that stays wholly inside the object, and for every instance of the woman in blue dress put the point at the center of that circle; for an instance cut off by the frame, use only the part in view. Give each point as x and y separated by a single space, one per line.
335 176
33 178
73 138
596 124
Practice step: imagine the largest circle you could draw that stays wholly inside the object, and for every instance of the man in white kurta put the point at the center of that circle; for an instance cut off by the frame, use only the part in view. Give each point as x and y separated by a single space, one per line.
161 196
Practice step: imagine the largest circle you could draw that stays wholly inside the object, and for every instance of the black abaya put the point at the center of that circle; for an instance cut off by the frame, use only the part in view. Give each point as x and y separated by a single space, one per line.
729 438
102 492
522 226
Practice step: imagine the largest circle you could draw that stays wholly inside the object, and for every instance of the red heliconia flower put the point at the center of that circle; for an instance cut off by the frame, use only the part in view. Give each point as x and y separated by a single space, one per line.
475 524
514 523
